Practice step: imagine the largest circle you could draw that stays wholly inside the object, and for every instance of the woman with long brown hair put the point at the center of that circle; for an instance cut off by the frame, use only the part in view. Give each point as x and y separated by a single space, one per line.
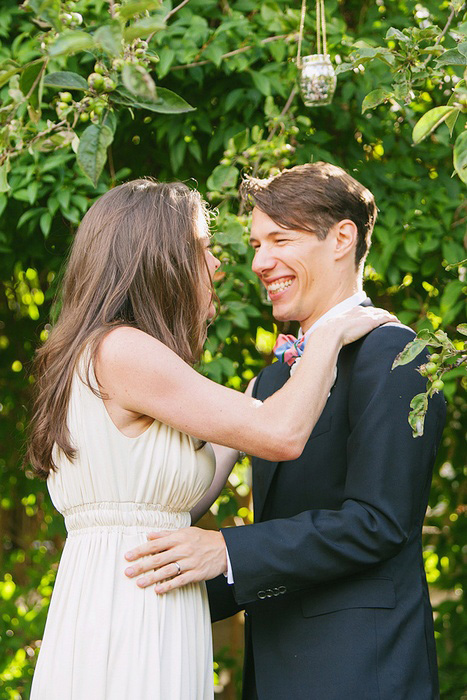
121 429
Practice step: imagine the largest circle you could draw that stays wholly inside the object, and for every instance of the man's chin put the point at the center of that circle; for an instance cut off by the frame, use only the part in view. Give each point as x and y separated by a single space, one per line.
283 314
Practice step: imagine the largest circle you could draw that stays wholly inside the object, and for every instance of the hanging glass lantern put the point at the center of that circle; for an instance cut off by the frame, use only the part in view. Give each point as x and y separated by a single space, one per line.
317 76
317 80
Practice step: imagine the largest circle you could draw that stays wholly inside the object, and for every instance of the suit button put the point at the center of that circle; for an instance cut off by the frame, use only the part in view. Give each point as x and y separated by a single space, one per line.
269 593
261 595
276 591
282 589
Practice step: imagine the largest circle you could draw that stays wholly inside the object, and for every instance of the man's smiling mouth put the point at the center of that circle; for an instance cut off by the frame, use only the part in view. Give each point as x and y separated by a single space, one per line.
278 285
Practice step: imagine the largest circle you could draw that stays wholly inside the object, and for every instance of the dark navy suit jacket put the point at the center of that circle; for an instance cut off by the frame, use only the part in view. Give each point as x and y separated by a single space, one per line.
331 574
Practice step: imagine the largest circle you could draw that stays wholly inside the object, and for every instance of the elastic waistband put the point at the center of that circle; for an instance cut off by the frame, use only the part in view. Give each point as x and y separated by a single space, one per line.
121 516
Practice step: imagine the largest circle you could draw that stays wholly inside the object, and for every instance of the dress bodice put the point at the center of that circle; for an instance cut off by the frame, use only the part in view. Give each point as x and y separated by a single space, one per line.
152 480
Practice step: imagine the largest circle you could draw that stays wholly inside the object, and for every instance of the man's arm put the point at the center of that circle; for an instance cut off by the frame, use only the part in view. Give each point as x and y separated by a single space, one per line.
388 471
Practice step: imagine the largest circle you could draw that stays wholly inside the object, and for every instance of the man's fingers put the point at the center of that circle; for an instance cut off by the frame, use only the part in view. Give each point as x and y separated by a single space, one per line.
174 583
159 575
156 544
156 535
150 562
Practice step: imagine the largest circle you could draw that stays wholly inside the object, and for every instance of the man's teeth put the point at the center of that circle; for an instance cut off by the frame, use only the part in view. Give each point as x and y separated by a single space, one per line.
279 286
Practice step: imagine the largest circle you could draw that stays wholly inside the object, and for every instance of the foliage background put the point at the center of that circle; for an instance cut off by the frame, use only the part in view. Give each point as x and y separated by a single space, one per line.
247 119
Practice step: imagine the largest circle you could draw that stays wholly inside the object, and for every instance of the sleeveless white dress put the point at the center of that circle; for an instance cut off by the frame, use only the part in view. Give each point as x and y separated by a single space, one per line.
105 638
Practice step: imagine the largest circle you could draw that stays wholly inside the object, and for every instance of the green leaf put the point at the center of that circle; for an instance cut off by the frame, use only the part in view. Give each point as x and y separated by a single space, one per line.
166 58
63 197
430 121
452 119
344 68
109 39
223 177
138 81
450 295
30 75
8 68
445 341
223 328
167 101
462 328
92 151
452 57
419 406
31 83
365 53
48 10
214 53
394 33
410 352
66 80
460 156
261 82
45 222
375 98
71 42
135 7
144 27
111 121
4 169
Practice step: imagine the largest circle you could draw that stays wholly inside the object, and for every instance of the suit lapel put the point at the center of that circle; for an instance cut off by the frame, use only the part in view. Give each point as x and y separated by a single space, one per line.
263 471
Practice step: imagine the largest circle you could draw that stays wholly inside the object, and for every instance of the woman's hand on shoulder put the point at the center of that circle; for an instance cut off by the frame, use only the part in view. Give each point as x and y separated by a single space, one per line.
355 323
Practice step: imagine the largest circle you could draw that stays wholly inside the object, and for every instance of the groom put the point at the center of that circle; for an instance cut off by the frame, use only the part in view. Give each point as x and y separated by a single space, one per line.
330 575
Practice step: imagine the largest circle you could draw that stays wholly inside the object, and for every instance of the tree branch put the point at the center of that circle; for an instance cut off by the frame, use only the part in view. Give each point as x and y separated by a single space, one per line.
446 27
176 9
288 37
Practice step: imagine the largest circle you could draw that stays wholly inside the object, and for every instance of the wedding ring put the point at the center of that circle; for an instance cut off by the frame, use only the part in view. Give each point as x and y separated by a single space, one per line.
179 568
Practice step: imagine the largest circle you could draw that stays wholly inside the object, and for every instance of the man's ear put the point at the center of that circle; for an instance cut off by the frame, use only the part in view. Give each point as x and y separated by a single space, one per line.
345 235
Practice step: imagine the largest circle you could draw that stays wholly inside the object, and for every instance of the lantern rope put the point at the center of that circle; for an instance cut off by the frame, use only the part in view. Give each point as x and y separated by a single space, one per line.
300 34
321 27
321 41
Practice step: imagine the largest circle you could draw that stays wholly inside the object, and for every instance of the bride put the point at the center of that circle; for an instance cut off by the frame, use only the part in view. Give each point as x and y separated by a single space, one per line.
122 428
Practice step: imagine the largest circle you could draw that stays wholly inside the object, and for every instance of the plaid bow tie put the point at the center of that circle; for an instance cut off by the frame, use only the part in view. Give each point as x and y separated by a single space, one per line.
288 348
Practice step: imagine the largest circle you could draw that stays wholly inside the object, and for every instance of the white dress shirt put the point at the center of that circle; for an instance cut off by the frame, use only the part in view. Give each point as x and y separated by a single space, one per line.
336 310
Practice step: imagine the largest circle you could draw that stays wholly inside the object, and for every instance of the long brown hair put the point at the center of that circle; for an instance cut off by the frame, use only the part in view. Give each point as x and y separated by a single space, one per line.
137 260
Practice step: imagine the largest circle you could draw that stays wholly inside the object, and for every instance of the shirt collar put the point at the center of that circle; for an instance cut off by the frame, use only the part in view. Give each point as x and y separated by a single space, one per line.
338 309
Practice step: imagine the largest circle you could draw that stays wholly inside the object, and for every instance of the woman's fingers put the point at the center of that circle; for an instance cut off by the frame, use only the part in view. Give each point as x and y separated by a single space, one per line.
361 320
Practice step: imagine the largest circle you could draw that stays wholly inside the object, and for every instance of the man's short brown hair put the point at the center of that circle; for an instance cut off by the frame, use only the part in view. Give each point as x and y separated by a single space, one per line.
314 197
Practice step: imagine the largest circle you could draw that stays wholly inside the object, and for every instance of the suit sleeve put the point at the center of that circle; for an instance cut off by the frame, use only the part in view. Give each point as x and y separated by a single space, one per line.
388 477
222 603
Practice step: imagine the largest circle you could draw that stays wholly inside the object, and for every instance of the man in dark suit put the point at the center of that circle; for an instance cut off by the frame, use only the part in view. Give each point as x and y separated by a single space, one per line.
330 575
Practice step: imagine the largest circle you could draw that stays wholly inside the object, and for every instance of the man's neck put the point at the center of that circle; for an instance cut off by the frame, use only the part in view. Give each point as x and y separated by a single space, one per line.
332 302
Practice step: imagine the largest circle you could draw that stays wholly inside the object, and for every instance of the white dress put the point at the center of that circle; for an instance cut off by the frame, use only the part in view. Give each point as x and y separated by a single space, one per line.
105 638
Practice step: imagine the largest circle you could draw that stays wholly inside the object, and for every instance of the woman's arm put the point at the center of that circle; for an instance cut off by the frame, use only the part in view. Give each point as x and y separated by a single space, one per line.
143 376
226 458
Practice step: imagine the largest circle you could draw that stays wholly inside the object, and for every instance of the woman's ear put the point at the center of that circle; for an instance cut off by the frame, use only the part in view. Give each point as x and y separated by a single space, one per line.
345 235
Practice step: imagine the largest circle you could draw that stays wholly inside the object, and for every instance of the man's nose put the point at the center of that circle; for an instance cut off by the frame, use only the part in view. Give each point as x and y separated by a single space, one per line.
263 261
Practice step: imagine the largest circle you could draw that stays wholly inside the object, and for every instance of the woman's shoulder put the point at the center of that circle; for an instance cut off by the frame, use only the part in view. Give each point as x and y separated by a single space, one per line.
126 351
122 342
